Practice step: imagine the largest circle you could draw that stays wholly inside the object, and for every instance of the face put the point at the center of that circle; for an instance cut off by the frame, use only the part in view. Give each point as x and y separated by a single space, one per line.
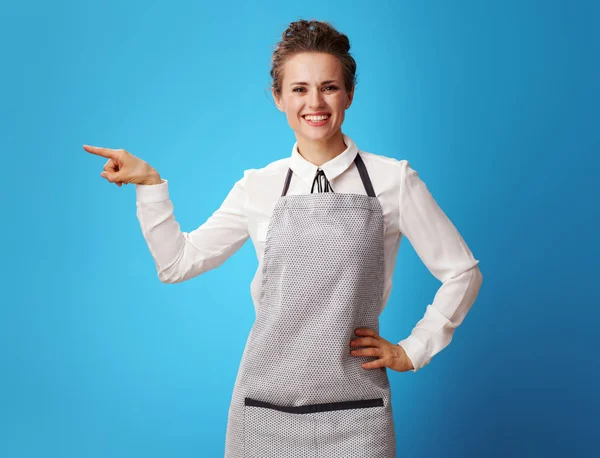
323 91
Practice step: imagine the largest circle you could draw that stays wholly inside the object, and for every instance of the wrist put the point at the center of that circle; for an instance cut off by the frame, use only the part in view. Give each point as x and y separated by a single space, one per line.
154 178
405 360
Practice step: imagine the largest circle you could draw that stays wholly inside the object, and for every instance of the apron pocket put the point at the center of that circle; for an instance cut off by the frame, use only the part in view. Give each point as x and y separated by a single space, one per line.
273 433
336 429
358 429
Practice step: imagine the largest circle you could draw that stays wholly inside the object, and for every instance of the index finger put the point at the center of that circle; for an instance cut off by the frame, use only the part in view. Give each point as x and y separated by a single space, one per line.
104 152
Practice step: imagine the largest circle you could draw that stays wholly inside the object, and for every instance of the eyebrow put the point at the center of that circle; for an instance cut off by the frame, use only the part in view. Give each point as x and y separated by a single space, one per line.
306 84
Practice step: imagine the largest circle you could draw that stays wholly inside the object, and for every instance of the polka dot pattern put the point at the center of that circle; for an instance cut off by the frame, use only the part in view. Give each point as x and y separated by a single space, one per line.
322 279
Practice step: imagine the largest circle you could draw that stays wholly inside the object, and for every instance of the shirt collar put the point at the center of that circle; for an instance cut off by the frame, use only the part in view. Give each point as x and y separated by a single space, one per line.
332 168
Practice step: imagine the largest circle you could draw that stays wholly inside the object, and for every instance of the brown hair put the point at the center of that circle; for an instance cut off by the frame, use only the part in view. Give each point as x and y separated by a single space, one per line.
312 36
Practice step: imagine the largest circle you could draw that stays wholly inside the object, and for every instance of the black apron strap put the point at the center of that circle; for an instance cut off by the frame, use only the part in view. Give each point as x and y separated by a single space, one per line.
286 185
362 170
364 175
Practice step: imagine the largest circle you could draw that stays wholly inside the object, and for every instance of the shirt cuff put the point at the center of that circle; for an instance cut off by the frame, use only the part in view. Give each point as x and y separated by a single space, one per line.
151 193
416 352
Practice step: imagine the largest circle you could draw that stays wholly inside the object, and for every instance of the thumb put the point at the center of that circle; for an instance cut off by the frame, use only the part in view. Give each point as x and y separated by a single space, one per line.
112 176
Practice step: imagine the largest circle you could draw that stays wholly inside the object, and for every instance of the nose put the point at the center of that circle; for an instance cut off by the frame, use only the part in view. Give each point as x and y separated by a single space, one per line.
316 99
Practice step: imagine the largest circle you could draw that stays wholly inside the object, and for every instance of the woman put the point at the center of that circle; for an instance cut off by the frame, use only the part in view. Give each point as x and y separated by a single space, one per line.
327 224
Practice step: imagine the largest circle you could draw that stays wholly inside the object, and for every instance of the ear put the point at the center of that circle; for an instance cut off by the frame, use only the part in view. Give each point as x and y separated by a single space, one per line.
350 96
277 100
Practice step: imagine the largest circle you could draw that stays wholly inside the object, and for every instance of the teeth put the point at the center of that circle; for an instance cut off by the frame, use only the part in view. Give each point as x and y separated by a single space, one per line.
316 118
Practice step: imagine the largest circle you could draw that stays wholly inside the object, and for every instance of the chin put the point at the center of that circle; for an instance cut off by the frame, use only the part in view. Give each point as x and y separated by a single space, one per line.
318 133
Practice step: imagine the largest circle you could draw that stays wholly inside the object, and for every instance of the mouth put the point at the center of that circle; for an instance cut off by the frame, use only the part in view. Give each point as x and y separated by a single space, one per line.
317 121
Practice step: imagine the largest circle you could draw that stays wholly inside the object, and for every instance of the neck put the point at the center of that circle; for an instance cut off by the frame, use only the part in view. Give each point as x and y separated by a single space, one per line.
318 152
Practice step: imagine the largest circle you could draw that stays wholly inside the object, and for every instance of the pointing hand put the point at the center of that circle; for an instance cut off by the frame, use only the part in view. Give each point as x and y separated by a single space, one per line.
124 167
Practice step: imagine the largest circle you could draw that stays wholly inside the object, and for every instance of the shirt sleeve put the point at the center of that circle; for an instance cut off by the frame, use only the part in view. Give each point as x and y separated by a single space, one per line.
181 255
442 249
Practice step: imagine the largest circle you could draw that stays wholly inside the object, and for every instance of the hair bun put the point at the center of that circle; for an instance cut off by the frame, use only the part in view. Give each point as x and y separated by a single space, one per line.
299 27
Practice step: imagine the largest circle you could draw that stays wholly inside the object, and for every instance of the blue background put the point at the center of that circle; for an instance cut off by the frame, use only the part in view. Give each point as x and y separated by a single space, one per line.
495 104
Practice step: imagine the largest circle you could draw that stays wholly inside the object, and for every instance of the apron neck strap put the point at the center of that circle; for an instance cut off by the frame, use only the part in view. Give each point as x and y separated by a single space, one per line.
362 170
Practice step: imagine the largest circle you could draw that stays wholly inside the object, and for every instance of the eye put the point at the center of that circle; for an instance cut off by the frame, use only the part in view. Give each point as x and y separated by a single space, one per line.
333 88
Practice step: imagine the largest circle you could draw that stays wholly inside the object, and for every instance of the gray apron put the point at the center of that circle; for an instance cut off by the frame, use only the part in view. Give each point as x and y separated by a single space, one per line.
299 393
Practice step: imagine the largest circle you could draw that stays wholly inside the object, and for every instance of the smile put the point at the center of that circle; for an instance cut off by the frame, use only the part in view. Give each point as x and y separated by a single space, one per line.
317 120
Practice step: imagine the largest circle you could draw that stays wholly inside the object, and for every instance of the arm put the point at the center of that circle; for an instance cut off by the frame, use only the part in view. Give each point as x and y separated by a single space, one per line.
181 255
442 249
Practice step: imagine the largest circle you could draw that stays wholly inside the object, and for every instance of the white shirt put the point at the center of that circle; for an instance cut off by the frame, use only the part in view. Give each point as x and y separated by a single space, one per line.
408 209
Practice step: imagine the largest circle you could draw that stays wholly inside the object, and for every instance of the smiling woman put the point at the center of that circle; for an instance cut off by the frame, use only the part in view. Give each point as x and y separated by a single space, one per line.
326 223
